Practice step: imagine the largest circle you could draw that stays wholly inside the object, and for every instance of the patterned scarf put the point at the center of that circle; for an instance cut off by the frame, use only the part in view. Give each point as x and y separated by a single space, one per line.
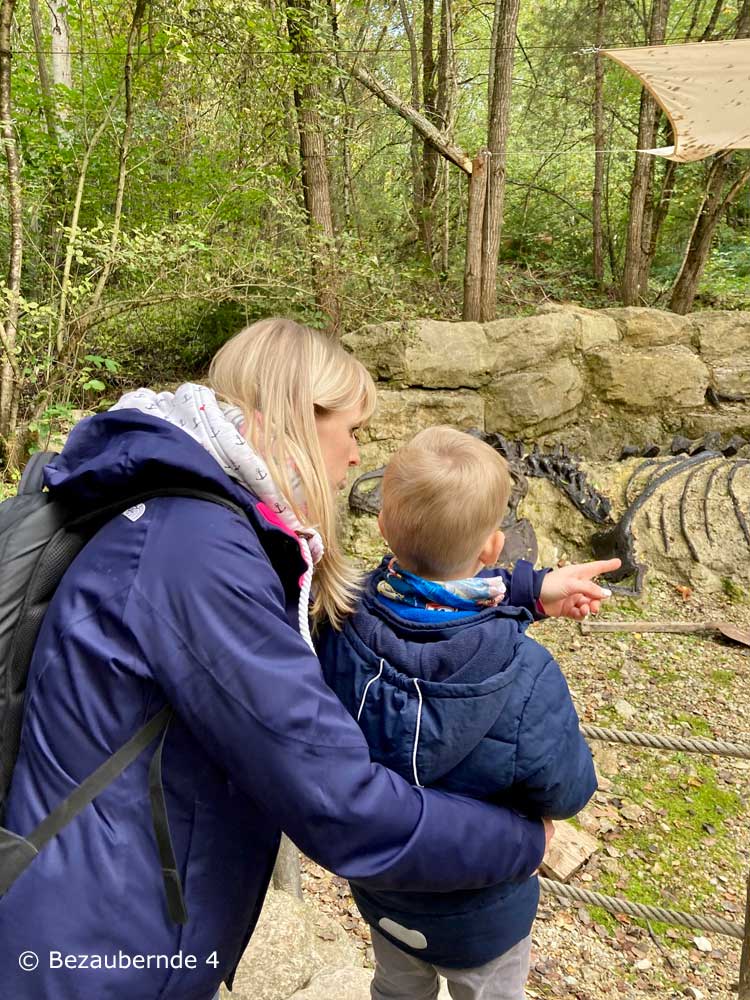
218 428
472 594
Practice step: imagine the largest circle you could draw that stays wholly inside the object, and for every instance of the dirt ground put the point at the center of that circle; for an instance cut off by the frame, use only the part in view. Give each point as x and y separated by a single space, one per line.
672 826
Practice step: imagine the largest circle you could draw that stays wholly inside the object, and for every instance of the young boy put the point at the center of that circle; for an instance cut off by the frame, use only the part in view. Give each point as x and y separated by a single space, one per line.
450 692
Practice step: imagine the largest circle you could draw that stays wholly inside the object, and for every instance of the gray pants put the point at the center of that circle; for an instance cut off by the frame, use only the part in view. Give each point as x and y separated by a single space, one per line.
399 976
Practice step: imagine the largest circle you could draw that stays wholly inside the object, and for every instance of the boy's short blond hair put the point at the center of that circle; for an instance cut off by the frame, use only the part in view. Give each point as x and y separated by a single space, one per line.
444 493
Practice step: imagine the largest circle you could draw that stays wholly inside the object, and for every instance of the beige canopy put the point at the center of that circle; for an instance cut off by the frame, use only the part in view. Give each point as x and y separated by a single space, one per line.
704 88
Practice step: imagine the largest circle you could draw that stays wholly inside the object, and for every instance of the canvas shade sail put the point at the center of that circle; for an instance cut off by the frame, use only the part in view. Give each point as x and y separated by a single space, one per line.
704 89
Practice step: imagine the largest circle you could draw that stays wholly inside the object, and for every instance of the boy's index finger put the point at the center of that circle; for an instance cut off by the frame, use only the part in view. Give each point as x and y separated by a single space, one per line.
600 566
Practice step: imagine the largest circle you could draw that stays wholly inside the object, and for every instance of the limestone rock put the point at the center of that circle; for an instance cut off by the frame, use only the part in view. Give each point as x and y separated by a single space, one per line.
729 419
292 943
279 959
362 540
642 327
400 414
338 984
437 355
724 343
537 400
381 347
347 984
650 379
448 355
332 946
592 329
525 341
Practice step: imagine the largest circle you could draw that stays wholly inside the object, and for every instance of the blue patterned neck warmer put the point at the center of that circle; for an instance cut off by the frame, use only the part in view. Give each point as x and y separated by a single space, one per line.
472 594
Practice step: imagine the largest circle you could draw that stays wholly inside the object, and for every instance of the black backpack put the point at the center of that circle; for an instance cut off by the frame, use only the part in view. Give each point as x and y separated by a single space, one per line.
39 538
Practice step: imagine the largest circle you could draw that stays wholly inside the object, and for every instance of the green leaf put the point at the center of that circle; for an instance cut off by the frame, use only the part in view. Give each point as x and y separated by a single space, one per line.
95 385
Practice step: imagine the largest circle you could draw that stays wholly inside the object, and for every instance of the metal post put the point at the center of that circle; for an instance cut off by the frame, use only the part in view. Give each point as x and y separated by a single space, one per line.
744 987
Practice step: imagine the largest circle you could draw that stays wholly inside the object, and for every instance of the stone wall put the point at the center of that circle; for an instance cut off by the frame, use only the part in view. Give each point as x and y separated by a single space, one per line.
593 379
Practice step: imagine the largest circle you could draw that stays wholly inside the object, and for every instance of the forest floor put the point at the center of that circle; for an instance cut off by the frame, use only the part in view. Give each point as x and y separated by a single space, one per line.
673 827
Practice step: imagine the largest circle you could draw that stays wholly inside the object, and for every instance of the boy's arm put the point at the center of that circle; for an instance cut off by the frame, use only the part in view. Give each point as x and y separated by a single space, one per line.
523 586
555 773
568 592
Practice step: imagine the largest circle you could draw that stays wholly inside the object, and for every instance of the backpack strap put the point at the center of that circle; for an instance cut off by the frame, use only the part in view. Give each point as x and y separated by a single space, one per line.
169 874
17 853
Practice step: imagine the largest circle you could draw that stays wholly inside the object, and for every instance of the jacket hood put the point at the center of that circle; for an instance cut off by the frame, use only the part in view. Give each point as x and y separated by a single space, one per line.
125 452
436 690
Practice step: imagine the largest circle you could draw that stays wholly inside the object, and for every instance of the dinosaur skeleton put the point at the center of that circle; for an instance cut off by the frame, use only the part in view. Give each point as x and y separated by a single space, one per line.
561 468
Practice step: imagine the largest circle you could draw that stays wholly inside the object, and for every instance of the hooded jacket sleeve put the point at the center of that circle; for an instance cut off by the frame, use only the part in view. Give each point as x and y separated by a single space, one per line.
523 585
555 775
215 630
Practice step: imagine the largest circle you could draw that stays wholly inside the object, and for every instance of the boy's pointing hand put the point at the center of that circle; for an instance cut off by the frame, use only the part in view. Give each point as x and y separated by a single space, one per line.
570 591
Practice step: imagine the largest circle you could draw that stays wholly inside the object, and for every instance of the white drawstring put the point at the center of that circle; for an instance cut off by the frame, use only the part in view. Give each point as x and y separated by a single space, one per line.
304 594
367 688
417 782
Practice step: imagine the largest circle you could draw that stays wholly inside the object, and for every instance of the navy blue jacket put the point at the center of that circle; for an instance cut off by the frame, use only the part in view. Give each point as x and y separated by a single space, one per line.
470 705
195 605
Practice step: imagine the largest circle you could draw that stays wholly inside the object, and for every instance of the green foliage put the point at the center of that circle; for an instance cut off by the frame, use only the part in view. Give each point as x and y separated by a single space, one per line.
733 590
214 230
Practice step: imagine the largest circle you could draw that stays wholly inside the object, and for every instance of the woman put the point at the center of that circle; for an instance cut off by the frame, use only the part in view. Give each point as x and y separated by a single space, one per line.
185 602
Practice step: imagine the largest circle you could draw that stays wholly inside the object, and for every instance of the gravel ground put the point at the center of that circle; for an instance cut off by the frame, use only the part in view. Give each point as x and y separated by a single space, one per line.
672 827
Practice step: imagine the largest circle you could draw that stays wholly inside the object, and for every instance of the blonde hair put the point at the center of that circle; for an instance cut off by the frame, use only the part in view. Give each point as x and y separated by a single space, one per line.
444 493
281 374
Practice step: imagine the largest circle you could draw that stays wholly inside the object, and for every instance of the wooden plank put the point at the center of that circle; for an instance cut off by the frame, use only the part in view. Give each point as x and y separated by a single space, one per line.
587 628
569 849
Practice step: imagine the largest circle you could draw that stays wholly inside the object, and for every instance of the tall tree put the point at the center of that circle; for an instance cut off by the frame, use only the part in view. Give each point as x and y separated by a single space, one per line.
724 182
302 24
62 62
498 128
599 151
640 213
11 376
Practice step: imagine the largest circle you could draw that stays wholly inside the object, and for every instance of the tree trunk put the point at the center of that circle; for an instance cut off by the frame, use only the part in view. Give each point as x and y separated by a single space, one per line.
429 154
122 171
347 188
599 152
62 64
661 209
743 21
426 129
415 149
712 208
640 214
316 181
10 379
699 246
45 84
506 12
472 309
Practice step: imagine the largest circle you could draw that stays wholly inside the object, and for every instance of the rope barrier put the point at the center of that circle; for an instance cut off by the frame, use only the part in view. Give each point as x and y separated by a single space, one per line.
720 748
615 904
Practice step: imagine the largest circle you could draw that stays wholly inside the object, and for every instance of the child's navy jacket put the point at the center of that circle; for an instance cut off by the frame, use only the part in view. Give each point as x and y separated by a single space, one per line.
470 705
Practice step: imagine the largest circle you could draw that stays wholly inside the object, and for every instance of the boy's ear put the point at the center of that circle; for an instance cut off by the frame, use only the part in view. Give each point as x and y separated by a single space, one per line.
492 548
381 526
